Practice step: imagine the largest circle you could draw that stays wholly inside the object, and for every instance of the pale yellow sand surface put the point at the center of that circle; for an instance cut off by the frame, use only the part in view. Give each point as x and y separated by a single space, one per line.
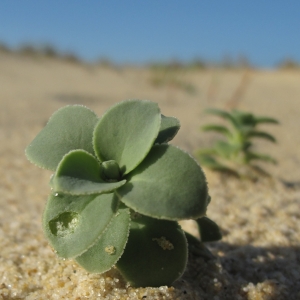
259 255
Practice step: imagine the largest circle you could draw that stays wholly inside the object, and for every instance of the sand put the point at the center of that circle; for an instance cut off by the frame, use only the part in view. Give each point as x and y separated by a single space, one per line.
259 255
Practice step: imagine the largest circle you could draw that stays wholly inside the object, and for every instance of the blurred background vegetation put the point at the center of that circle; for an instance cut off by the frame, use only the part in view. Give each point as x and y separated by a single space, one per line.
164 67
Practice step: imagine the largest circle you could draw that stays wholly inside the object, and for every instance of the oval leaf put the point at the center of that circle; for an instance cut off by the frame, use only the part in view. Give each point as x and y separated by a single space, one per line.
69 128
209 230
168 184
168 129
79 174
155 254
109 248
72 224
126 133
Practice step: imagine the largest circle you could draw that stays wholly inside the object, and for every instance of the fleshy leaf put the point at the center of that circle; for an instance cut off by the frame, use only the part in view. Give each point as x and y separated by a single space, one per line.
168 129
110 170
209 230
72 224
126 133
155 254
260 120
79 174
262 134
109 248
168 184
69 128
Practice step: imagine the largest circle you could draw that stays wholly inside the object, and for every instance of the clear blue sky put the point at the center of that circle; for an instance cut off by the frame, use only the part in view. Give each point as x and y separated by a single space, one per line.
139 31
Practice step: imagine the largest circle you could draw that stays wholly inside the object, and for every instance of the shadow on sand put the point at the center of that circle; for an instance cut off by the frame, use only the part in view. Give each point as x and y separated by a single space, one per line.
245 272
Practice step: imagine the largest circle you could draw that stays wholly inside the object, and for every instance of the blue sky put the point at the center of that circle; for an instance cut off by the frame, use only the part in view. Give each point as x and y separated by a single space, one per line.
265 31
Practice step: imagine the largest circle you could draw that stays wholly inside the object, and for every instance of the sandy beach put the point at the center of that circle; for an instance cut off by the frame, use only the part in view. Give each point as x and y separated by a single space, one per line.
259 255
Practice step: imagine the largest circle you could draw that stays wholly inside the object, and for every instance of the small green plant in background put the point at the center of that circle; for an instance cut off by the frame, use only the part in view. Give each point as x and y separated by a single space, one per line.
118 190
235 152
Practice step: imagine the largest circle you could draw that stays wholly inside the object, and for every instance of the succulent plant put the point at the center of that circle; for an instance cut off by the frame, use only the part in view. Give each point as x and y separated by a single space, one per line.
118 190
236 150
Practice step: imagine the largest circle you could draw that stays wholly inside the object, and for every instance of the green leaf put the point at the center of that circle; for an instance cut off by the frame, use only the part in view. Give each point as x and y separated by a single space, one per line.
79 174
262 134
244 119
72 224
126 133
110 171
109 248
225 149
223 114
209 230
217 128
257 156
168 184
155 254
260 120
168 129
69 128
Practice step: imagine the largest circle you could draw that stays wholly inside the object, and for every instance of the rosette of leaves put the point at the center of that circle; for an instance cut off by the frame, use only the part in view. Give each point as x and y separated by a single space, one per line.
236 149
118 190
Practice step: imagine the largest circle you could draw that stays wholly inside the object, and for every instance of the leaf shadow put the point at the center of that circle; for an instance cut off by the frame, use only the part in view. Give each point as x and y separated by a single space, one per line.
242 271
